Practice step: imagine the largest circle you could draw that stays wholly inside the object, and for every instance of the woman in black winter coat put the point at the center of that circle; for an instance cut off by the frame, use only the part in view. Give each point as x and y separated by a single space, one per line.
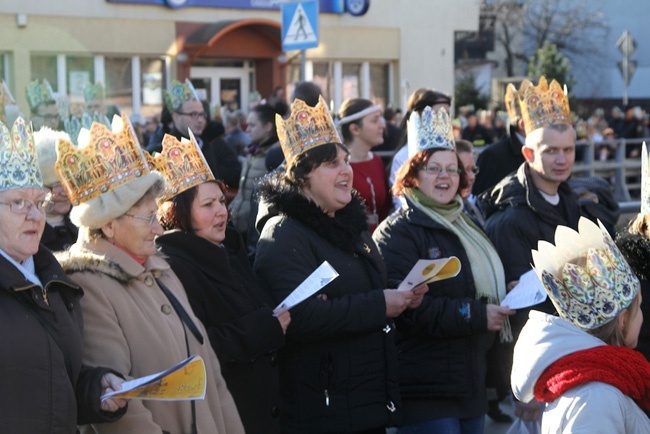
338 368
443 343
210 260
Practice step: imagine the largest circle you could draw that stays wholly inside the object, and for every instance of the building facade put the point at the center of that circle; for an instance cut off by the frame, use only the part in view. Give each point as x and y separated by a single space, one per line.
228 48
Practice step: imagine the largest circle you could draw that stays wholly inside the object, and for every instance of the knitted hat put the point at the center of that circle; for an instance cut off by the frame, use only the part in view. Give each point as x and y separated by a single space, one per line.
45 140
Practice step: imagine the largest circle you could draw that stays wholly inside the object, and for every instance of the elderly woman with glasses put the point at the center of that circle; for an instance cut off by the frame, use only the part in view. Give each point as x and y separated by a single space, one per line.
443 342
60 233
45 388
137 316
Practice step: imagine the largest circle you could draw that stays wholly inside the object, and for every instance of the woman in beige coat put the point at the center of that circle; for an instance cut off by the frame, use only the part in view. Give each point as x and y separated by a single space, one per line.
131 324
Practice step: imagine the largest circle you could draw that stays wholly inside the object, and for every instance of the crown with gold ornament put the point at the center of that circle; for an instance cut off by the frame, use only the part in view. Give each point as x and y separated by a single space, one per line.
585 274
181 164
18 157
430 130
93 92
543 105
39 92
104 161
511 101
179 94
306 128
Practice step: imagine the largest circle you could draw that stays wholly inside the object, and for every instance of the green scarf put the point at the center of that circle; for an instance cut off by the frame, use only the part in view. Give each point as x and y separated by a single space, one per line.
487 269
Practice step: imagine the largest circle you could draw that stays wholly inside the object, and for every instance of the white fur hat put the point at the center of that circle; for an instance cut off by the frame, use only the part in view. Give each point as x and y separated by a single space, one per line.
98 211
45 140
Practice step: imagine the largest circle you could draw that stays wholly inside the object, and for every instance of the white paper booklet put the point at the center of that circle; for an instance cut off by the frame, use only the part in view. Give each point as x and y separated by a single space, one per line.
528 292
430 270
316 281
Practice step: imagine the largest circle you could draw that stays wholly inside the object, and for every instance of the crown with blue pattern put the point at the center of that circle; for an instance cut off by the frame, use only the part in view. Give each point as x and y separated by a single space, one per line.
585 275
18 157
430 130
179 94
39 92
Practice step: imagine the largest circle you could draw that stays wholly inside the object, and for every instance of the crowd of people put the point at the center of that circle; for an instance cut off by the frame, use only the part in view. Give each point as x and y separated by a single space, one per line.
125 251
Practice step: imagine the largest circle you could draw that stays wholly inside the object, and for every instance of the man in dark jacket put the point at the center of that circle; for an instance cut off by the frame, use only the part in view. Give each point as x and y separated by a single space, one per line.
528 205
503 157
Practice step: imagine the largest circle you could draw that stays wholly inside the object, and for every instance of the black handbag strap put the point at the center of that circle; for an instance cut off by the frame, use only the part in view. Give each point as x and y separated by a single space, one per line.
50 330
182 313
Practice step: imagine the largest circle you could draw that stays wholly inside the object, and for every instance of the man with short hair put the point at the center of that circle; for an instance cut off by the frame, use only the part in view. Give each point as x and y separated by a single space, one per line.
188 114
42 106
528 205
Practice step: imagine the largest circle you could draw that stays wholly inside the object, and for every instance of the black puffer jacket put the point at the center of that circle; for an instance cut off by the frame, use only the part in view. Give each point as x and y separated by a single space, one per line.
338 370
38 394
442 343
497 161
235 309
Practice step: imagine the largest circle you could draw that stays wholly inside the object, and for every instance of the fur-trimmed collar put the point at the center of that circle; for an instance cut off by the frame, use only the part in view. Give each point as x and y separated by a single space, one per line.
81 260
343 230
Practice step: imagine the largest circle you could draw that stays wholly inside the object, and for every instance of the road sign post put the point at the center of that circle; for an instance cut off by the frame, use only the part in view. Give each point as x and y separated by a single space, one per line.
627 45
300 28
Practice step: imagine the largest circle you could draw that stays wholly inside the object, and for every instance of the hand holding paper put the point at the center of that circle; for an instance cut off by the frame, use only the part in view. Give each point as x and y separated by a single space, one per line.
426 271
183 381
316 281
528 292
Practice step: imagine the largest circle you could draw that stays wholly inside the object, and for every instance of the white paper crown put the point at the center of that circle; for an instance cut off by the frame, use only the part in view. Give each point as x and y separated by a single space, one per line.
645 181
430 130
18 158
585 274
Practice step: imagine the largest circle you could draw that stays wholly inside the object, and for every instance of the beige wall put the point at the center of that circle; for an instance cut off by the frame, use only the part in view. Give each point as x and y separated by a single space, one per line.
416 35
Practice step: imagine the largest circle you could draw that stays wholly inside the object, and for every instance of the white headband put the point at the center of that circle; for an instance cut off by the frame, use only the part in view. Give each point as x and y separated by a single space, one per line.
356 116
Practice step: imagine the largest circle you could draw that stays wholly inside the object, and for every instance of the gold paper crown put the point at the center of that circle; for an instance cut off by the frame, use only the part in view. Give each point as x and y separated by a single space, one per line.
18 157
181 164
37 93
543 105
93 92
511 101
306 128
430 130
109 159
585 275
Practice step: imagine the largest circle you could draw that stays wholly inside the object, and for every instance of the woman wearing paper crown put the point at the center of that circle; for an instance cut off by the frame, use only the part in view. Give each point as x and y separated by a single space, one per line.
211 262
137 317
338 368
582 363
444 341
45 388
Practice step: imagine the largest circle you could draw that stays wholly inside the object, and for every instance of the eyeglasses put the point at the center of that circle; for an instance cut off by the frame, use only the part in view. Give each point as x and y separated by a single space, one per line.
149 219
193 115
474 170
437 170
48 117
22 206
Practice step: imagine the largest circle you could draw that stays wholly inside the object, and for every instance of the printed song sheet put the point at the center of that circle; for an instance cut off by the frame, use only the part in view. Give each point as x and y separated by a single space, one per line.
183 381
528 292
317 280
430 270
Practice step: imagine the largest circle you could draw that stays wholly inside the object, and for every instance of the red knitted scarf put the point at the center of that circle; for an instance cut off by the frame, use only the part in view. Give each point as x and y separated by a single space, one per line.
621 367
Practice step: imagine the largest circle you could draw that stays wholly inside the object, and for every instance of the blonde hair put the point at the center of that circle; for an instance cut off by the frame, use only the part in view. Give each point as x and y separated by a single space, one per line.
612 333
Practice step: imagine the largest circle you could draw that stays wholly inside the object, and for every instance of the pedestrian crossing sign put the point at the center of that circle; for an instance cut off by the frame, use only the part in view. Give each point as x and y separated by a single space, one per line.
299 25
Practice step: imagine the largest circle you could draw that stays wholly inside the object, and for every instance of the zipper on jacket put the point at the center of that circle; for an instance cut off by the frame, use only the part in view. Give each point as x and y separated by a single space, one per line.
326 374
327 398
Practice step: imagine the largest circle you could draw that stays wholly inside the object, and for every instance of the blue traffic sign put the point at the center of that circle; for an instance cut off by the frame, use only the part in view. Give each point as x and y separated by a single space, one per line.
300 25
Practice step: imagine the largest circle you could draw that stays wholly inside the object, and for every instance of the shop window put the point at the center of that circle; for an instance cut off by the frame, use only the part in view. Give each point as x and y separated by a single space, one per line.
118 88
351 81
79 71
43 67
379 84
153 77
322 77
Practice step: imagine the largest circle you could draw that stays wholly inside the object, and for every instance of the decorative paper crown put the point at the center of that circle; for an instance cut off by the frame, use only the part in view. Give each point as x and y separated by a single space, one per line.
181 164
76 124
38 93
585 275
108 160
179 94
306 128
430 130
543 105
511 101
93 92
18 158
